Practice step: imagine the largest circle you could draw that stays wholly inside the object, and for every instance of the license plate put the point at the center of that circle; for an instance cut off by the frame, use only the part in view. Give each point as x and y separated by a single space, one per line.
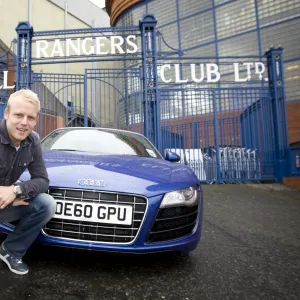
94 212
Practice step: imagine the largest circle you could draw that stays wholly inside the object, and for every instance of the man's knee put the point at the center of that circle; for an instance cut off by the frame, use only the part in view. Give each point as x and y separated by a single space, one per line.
45 203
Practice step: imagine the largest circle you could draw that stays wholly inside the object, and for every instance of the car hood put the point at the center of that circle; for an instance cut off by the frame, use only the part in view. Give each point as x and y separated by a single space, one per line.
115 173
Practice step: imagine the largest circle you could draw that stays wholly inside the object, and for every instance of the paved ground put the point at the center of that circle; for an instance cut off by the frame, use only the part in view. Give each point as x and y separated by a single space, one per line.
250 249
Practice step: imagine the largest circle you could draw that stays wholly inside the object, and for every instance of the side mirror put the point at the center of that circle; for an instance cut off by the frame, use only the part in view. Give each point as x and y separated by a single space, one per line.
172 156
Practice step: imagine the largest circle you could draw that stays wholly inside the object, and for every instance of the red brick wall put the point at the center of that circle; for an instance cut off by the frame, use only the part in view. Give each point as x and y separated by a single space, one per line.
293 118
49 123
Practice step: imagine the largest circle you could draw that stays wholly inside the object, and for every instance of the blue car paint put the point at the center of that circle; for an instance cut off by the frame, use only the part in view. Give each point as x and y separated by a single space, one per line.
133 174
145 176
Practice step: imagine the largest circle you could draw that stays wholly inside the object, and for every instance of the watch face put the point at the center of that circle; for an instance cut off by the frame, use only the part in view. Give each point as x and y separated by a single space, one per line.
17 190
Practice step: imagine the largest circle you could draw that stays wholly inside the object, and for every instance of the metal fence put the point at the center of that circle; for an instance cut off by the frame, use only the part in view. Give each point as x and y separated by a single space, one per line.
223 134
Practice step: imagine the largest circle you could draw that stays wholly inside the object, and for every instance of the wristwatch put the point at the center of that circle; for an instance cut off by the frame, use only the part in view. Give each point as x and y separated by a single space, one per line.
17 190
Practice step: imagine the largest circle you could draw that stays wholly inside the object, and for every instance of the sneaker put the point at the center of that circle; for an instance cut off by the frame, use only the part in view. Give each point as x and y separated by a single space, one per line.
16 265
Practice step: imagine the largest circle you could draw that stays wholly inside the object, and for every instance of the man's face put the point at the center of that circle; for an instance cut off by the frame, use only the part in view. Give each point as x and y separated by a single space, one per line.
20 119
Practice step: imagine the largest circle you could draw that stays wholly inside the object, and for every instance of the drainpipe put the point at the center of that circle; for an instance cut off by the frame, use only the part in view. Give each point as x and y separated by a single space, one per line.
29 11
66 97
94 65
65 28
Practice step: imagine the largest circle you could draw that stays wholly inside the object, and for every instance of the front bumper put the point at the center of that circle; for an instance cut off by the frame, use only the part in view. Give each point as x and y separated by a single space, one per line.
139 245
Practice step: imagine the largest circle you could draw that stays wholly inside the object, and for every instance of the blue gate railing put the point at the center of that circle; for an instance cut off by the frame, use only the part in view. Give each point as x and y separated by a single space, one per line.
294 161
219 138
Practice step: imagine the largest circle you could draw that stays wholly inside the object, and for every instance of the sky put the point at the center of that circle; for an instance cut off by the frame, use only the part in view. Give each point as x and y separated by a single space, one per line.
100 3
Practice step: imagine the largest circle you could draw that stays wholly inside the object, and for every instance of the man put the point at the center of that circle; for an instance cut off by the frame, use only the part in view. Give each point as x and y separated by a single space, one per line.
20 148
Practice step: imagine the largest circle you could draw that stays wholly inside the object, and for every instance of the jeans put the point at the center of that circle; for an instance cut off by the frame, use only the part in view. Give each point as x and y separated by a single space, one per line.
32 219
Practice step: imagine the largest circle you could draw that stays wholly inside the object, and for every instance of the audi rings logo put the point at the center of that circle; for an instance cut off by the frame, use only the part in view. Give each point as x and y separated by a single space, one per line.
91 182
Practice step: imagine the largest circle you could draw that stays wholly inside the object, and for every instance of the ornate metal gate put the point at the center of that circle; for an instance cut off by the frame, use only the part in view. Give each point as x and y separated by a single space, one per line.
225 116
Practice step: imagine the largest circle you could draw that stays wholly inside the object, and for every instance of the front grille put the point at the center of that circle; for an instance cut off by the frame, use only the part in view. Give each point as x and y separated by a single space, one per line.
96 232
172 223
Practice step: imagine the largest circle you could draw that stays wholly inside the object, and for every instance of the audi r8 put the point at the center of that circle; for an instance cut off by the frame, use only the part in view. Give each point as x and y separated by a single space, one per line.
114 191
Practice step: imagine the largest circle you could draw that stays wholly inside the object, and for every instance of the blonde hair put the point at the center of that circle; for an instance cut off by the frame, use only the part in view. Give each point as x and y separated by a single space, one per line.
28 95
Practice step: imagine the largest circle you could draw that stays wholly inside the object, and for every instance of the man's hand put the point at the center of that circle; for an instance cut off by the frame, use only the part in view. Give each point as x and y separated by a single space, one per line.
7 195
19 201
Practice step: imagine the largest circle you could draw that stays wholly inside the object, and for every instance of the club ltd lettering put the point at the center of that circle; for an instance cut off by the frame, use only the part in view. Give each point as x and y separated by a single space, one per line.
209 72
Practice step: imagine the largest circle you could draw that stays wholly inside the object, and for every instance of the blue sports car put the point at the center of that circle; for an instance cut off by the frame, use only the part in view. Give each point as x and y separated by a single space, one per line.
115 192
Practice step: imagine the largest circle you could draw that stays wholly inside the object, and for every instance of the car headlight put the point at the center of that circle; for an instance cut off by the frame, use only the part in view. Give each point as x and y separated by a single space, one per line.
184 197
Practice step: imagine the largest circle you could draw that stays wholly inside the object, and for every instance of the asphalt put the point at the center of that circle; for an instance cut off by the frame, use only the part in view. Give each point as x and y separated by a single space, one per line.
250 249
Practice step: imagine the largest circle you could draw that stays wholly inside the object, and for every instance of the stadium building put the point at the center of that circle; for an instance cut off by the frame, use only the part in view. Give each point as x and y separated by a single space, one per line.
227 28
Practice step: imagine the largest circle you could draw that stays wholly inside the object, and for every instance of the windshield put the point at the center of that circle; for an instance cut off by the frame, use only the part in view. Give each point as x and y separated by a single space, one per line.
100 141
